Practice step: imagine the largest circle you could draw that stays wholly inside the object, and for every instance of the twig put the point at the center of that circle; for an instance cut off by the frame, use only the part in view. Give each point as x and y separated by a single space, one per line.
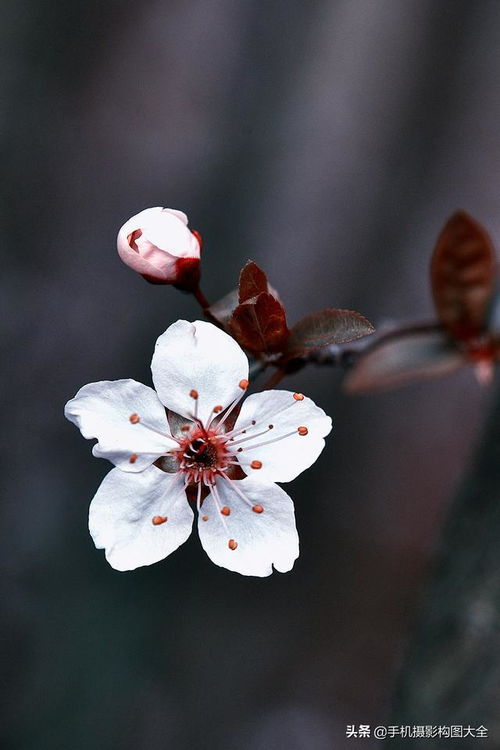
205 306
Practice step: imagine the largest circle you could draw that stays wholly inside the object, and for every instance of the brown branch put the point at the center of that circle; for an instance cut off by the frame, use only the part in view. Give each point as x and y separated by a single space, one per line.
205 306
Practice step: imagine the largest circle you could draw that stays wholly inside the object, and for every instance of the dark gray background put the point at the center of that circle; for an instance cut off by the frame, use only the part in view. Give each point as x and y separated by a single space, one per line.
328 141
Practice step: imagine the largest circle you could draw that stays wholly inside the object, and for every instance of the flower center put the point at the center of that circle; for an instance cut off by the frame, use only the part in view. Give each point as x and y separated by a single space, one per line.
201 456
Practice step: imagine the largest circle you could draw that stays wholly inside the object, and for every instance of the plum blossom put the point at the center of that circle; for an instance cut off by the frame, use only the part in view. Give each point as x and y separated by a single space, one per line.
158 244
192 443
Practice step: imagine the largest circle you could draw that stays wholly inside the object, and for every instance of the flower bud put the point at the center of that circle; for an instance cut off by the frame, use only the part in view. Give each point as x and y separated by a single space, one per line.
158 244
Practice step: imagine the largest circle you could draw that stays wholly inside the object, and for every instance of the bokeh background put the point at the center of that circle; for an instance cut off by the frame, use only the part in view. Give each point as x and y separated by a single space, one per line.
328 141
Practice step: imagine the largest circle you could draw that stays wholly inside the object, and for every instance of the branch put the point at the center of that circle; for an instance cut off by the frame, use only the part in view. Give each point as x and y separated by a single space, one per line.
452 671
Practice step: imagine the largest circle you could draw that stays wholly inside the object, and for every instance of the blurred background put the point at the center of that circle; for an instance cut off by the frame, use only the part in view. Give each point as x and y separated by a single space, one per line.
328 141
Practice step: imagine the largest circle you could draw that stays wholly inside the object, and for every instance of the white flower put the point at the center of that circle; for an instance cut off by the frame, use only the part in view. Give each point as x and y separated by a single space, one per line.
140 513
158 244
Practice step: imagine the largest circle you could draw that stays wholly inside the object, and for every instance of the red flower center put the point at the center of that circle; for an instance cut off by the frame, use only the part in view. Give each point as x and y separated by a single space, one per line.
202 454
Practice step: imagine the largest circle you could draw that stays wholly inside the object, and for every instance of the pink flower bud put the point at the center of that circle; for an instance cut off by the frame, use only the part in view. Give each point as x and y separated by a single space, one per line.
158 244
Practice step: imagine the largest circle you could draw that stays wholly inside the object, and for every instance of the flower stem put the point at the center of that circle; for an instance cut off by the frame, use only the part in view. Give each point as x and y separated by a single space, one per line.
200 297
205 306
275 378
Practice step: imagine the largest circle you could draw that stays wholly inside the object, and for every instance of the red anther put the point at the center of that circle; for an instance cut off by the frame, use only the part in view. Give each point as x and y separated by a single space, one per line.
225 511
298 396
302 430
204 518
243 384
134 418
158 520
185 427
193 393
217 409
232 544
133 458
257 509
239 450
253 421
256 464
270 427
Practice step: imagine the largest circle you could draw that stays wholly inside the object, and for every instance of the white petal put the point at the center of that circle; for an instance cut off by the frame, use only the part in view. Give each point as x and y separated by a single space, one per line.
138 221
169 232
285 459
197 357
175 212
264 539
102 410
121 513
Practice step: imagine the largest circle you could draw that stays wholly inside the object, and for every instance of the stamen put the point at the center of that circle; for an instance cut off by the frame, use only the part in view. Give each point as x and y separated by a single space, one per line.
256 464
250 437
258 509
133 458
268 442
204 518
236 489
217 409
243 384
136 419
194 395
302 430
232 544
158 520
218 503
237 430
225 511
185 427
198 500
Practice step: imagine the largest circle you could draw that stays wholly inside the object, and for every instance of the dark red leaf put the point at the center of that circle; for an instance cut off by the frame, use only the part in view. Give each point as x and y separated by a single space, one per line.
402 359
253 281
462 276
259 325
324 328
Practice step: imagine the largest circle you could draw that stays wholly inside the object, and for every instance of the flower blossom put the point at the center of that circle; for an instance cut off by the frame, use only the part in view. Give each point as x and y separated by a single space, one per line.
158 244
183 445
